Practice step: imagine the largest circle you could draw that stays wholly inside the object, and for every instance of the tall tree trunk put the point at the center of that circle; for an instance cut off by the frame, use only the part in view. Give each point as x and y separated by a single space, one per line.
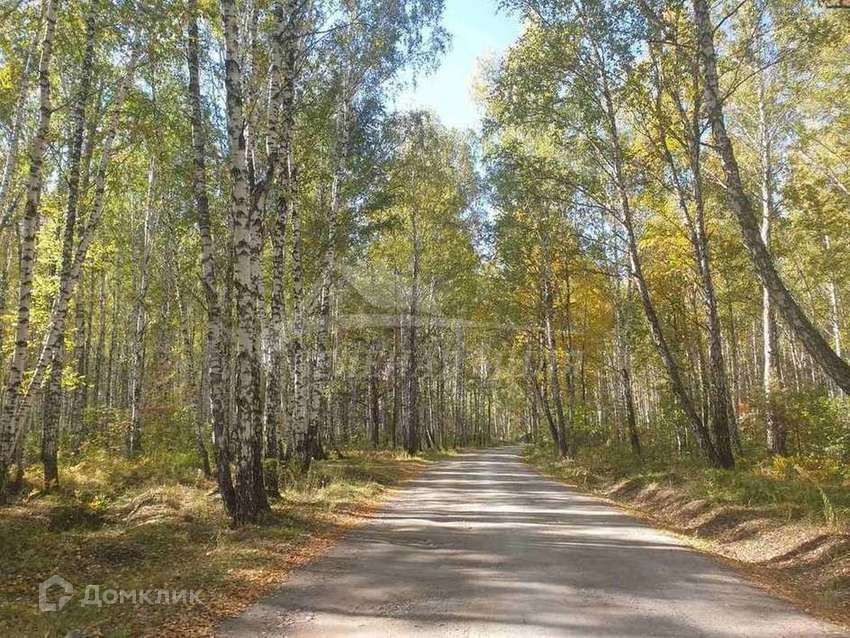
190 374
299 427
273 419
101 341
250 497
300 446
460 387
9 420
771 372
411 430
396 382
659 339
76 400
52 398
215 321
11 164
548 299
542 397
284 51
374 397
68 283
51 411
693 214
320 386
624 360
794 316
140 320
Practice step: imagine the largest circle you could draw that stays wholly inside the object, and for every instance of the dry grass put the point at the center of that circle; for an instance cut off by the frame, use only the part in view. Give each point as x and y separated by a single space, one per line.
117 525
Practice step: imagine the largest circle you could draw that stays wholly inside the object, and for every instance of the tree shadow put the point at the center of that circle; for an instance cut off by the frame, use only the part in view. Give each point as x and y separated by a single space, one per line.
483 545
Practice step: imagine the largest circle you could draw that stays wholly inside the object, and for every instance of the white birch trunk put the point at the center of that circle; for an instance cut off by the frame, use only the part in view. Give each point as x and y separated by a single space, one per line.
59 309
215 322
250 495
9 424
50 424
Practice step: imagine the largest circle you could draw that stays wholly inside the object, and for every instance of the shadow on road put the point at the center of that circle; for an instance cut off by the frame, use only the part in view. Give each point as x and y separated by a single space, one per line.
482 545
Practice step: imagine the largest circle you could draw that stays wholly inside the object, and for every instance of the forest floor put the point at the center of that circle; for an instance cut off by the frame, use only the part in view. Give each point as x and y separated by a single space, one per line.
786 530
119 526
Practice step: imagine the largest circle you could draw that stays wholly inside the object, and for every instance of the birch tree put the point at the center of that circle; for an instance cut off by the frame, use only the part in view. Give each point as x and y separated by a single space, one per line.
9 424
741 204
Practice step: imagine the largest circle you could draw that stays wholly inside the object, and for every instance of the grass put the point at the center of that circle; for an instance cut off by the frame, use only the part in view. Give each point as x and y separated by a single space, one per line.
794 487
121 525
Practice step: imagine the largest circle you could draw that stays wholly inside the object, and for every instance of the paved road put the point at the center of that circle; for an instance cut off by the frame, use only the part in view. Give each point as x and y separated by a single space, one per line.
481 545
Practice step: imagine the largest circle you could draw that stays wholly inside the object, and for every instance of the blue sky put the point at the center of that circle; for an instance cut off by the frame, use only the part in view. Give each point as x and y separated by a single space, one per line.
478 30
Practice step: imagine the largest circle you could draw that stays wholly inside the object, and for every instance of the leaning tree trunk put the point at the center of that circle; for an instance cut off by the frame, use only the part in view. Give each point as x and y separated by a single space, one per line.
796 319
674 376
721 410
9 421
59 309
694 220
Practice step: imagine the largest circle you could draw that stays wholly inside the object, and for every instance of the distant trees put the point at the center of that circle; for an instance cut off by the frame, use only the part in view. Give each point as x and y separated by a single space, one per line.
263 260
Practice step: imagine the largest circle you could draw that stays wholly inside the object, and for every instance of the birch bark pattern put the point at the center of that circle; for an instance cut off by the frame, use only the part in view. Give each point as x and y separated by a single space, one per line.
215 322
11 163
692 208
281 109
53 397
139 321
9 424
300 448
320 385
771 371
59 309
796 319
250 499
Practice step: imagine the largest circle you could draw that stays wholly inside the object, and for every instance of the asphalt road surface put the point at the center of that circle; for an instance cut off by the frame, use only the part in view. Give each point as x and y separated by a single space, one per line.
482 545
